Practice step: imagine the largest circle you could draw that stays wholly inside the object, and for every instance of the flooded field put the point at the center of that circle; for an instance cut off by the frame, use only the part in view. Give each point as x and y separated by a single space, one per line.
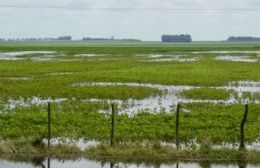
166 100
236 58
145 84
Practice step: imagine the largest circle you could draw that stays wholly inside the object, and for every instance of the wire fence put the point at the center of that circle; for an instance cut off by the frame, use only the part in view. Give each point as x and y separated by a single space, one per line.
115 128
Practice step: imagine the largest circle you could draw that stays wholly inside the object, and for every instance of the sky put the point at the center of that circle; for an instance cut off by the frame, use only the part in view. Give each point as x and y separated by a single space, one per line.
141 19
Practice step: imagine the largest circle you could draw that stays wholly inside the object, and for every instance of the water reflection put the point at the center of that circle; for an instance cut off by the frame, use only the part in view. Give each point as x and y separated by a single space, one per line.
41 162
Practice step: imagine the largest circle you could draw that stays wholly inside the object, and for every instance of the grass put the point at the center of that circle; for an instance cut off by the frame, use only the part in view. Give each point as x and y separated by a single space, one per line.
25 147
207 94
220 123
156 153
251 96
131 152
76 119
29 89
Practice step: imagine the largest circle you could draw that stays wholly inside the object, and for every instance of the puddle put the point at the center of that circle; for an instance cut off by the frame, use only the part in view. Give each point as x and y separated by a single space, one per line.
17 78
225 52
249 146
60 73
16 55
193 143
80 143
168 58
89 55
84 162
235 58
242 87
11 103
174 59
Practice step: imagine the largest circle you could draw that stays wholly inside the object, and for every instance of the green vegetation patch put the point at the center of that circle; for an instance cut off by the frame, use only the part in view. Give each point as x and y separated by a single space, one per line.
154 152
251 96
207 94
216 123
58 89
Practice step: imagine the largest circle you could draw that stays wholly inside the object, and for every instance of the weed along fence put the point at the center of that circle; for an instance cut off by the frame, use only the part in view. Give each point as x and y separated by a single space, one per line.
114 128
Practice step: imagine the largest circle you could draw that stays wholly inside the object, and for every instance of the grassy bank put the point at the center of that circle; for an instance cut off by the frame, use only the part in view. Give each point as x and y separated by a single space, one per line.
157 153
132 152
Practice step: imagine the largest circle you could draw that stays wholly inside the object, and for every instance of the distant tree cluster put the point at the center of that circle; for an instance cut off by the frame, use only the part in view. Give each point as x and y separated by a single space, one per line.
64 38
243 38
109 39
97 39
61 38
183 38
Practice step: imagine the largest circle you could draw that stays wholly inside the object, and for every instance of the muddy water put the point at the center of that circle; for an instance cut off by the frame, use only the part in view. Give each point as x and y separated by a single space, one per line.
84 162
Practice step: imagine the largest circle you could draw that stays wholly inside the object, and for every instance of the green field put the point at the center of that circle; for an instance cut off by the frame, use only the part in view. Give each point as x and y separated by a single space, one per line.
74 71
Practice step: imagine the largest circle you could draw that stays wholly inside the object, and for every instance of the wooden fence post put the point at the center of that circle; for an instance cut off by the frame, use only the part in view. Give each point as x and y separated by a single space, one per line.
49 124
242 135
48 162
112 125
177 126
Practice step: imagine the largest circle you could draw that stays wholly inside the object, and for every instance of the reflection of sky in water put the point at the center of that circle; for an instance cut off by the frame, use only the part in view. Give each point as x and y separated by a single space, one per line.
165 101
235 58
17 55
83 163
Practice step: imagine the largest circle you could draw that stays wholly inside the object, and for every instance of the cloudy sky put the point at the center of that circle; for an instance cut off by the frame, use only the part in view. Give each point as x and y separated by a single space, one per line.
142 19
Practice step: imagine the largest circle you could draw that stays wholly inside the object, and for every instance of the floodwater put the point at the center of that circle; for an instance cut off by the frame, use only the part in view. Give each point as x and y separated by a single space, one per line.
165 101
225 52
168 58
89 55
84 162
235 58
85 144
17 54
170 96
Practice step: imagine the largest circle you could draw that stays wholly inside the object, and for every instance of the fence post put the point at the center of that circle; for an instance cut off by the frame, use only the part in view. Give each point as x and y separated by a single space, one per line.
49 124
177 126
112 125
242 136
49 162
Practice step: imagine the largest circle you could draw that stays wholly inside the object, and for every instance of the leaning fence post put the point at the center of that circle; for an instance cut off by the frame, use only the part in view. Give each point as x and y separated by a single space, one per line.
242 136
177 126
112 125
49 123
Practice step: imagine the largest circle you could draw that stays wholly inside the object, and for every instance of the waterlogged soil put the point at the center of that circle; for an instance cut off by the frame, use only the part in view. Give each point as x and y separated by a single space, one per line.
170 96
84 162
236 58
85 144
165 101
168 58
18 55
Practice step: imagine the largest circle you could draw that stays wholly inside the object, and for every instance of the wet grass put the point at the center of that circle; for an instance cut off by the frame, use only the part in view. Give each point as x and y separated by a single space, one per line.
201 73
217 123
46 89
207 94
77 119
251 96
151 152
156 153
